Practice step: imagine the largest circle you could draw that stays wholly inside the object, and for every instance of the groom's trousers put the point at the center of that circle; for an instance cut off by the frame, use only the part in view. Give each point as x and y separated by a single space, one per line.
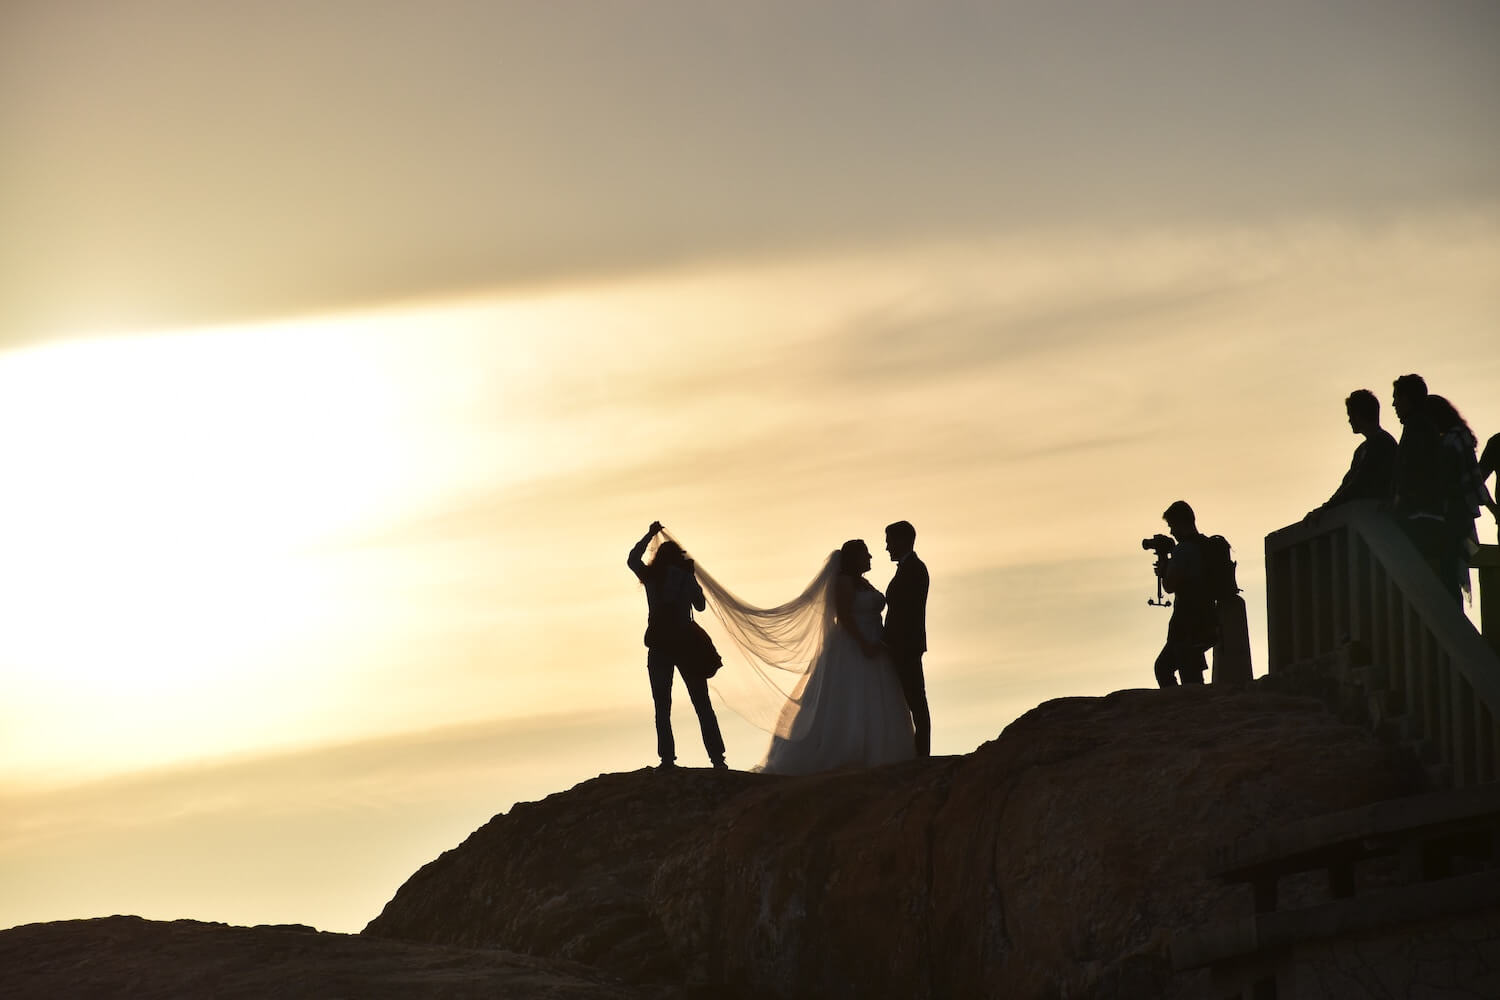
660 663
914 687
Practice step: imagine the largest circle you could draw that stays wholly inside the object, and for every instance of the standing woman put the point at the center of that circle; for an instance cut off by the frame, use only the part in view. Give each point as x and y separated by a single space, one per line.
672 591
1464 492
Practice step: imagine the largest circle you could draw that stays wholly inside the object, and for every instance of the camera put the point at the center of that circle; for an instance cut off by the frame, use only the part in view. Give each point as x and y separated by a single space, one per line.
1160 544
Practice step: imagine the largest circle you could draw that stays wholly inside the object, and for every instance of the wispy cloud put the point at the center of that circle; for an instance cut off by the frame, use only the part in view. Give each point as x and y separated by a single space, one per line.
460 146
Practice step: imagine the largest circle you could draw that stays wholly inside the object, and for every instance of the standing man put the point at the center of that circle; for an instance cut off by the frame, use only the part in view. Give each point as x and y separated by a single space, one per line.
1195 623
1374 464
906 627
1422 482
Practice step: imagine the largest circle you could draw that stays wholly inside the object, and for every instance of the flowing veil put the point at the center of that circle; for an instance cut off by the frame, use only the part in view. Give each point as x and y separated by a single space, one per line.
780 691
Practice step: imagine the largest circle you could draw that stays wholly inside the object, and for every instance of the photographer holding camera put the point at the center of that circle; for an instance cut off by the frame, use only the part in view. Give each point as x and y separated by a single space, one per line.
1194 625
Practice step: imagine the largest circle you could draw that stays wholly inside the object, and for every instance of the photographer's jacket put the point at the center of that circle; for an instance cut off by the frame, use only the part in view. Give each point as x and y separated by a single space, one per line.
670 597
1194 619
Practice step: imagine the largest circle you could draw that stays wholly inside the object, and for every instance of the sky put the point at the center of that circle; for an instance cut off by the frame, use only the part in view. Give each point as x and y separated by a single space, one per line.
346 348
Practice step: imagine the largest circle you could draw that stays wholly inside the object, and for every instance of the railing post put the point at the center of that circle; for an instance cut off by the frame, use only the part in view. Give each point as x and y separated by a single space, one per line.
1487 562
1276 611
1300 602
1358 576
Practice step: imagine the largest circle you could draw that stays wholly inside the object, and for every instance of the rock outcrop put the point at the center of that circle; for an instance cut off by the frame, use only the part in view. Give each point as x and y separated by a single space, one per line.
127 957
1053 861
569 876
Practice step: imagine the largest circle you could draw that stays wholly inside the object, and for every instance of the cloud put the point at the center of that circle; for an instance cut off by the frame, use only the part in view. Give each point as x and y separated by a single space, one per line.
185 164
402 768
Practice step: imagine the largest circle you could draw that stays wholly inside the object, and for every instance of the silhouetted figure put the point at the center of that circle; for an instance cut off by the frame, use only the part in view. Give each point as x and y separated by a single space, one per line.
1465 493
1489 464
1373 467
1422 481
1194 625
672 591
906 627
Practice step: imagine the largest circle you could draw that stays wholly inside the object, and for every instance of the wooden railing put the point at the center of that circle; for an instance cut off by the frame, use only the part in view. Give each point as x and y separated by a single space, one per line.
1351 580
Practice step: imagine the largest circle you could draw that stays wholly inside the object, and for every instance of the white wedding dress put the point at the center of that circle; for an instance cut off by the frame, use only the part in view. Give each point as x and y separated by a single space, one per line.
860 718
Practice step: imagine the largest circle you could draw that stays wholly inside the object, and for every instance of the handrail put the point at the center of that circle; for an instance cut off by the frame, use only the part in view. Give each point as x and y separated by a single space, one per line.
1352 575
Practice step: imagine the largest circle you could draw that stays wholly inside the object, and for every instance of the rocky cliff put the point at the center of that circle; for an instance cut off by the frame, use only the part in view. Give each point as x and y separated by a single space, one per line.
1055 860
127 958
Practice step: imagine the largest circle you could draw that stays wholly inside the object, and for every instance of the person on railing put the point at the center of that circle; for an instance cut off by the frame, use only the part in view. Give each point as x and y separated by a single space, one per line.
1374 464
1466 493
1423 482
1195 623
1489 463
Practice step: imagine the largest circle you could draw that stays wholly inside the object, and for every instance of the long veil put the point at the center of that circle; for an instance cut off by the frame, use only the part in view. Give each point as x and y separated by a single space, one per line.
780 691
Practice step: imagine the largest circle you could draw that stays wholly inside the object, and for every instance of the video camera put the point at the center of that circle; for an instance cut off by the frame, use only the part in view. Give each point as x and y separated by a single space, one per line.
1162 545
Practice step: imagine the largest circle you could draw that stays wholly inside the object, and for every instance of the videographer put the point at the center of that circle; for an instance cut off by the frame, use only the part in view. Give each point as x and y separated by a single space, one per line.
1194 624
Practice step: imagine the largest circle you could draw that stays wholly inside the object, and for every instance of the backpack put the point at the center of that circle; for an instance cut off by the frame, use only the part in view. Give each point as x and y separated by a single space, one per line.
1218 569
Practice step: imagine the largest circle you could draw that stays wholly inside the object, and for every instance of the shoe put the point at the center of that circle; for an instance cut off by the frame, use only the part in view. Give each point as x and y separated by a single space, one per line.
667 765
719 765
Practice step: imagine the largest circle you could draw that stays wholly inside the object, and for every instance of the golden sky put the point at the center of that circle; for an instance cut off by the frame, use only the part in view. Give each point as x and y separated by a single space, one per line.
348 347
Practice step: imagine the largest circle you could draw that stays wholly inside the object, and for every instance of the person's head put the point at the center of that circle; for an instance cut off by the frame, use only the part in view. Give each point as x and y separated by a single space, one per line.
899 539
669 554
1445 416
1363 409
1180 519
854 557
1407 397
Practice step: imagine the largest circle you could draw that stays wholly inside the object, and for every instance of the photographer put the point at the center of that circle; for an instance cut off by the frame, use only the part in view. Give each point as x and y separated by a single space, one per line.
1194 624
672 591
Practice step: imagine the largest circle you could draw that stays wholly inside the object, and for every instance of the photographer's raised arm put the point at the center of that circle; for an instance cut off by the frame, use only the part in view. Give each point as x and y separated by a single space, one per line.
634 560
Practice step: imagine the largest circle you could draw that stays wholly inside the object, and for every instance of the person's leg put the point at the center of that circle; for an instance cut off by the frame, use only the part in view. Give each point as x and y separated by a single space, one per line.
1166 669
1191 665
914 687
659 667
708 722
1431 538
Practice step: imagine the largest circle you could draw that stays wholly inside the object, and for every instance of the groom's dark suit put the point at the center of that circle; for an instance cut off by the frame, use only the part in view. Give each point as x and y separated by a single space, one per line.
906 638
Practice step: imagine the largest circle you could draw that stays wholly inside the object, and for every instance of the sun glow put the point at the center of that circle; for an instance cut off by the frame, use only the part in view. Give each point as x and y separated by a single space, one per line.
161 495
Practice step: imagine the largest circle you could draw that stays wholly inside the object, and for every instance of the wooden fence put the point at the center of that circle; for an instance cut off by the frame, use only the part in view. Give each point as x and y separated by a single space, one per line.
1352 579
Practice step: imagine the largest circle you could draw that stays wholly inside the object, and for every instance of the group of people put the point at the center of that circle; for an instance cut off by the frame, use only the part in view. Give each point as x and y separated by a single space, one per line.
842 687
857 696
1434 479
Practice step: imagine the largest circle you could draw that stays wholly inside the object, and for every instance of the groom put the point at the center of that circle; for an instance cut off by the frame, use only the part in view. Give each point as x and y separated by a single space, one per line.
906 627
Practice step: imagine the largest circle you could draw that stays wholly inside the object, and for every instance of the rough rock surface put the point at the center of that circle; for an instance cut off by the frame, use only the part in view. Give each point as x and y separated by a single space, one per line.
568 876
1053 861
117 957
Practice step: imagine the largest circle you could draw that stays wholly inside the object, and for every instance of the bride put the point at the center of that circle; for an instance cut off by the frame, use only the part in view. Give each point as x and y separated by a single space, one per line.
820 681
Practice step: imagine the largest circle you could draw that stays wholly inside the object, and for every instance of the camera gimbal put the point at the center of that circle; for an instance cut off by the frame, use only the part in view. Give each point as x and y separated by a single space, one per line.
1162 545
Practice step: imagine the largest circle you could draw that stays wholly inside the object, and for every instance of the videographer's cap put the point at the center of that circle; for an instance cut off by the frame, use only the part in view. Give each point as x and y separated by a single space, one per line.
1179 511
